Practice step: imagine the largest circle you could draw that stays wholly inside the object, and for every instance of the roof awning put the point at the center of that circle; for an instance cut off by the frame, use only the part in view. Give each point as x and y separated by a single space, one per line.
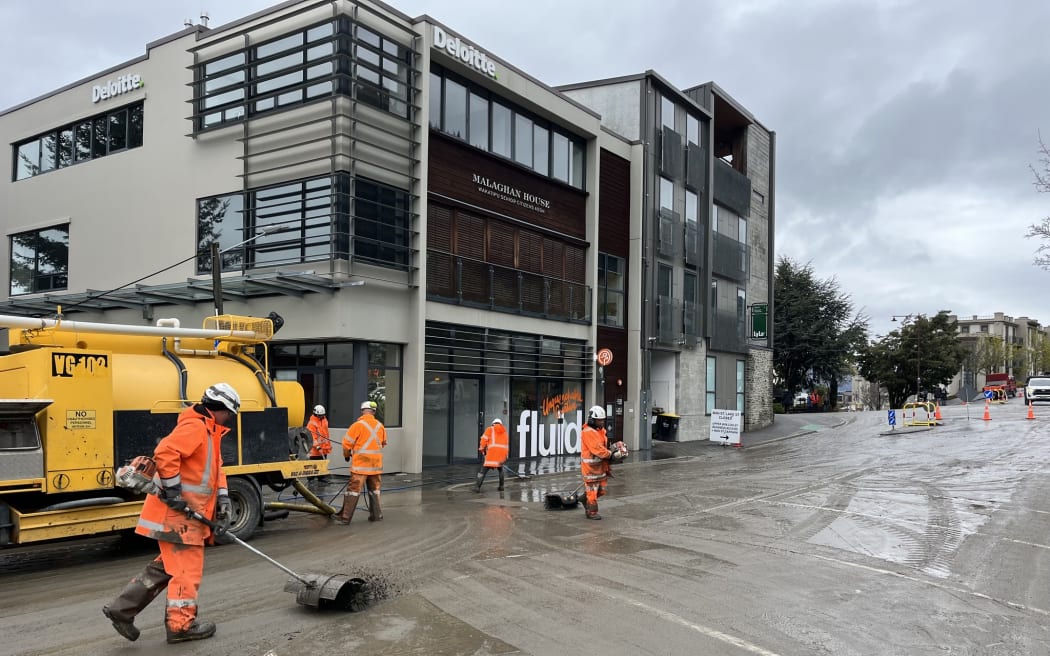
194 290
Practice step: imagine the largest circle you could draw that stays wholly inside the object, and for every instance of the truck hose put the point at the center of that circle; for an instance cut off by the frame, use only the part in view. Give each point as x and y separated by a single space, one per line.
299 507
256 368
321 506
183 374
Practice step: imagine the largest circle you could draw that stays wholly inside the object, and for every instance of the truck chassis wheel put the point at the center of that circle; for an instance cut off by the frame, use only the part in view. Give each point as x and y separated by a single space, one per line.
247 508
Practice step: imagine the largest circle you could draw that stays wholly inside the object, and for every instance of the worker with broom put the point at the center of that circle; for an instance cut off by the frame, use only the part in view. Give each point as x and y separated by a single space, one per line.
595 458
494 448
364 443
189 468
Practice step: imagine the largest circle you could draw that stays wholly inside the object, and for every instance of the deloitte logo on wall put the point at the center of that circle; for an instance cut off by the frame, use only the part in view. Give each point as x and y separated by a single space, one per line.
122 84
464 52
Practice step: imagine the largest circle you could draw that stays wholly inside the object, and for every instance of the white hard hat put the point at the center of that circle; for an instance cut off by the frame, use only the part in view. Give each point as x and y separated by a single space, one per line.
368 405
318 409
224 394
596 412
497 420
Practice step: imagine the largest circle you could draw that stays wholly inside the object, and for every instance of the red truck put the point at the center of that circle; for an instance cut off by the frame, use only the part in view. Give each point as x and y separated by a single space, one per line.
1006 381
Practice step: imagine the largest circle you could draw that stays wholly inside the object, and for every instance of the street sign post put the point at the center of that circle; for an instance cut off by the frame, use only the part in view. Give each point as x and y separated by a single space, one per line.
759 320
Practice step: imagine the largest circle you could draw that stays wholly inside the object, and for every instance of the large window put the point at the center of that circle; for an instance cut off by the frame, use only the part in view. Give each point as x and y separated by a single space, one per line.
381 223
90 138
306 221
466 112
296 68
710 384
740 385
40 260
610 290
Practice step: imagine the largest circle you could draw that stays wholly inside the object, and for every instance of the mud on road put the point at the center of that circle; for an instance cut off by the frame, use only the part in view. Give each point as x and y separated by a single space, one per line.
840 540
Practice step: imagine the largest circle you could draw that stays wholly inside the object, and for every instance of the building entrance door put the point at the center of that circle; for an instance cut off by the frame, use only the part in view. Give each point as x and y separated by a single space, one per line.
452 416
466 416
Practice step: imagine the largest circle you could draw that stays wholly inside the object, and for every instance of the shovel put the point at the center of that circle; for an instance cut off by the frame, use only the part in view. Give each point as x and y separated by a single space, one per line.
558 501
336 592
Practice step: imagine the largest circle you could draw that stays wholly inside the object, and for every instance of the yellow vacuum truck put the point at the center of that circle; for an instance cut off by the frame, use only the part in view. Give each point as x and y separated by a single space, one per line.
78 400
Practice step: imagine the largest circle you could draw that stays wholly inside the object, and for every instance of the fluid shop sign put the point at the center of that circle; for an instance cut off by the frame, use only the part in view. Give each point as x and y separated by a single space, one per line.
463 51
537 439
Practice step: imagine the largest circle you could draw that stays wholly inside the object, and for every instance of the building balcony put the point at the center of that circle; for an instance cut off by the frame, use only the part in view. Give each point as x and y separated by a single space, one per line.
727 332
732 188
463 281
730 258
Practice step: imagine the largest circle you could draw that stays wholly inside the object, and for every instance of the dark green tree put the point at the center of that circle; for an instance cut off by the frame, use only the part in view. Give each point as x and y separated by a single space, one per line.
923 353
816 334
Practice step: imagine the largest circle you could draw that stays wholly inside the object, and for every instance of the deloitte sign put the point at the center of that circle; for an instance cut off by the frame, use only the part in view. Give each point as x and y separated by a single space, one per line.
464 52
112 88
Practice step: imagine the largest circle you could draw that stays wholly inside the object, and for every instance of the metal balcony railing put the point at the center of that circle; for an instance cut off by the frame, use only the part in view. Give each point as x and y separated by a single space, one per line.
730 258
727 332
464 281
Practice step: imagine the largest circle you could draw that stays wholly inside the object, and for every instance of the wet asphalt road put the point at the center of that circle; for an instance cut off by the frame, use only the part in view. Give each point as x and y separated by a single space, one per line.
843 540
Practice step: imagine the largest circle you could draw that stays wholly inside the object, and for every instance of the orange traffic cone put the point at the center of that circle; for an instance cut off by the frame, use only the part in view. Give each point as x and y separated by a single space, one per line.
1031 411
937 413
987 416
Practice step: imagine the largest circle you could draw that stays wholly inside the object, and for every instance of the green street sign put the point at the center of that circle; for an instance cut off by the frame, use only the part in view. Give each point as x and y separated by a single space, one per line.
759 316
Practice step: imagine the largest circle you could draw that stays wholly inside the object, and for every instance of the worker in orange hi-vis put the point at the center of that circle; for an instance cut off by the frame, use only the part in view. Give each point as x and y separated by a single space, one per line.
321 444
595 458
494 447
364 443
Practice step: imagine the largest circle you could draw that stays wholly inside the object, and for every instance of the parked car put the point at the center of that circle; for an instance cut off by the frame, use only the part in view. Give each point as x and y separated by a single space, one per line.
1037 390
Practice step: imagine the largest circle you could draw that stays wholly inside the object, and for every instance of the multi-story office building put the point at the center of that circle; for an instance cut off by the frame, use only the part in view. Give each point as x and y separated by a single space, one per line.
441 232
701 257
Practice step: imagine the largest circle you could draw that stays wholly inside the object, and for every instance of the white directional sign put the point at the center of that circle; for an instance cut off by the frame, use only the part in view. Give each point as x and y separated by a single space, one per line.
725 426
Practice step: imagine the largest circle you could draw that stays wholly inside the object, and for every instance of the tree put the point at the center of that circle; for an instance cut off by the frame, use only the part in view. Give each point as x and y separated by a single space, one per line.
1042 185
990 354
922 353
815 331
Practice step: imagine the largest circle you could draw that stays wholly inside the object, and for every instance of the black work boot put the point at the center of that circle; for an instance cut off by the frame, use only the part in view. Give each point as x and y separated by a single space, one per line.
375 511
198 630
125 628
592 511
481 479
346 513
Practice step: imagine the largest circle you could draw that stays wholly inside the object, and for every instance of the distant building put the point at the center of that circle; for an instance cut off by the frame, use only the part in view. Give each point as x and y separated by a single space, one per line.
1022 338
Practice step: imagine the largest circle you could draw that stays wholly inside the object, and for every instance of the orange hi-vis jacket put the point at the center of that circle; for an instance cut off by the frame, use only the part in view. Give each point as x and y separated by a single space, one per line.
190 456
594 454
365 439
318 427
495 444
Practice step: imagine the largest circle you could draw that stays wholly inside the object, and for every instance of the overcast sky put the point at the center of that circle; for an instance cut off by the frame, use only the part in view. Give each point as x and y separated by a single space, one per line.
905 128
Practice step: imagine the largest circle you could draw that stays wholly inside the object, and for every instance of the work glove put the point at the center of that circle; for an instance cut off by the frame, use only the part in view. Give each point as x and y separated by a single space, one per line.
223 514
172 496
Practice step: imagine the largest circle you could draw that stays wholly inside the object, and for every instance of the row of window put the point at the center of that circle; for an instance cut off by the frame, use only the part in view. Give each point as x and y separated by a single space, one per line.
451 347
470 113
339 56
89 138
330 217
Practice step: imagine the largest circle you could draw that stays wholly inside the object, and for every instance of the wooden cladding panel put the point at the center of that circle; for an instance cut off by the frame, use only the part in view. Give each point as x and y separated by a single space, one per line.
470 236
614 205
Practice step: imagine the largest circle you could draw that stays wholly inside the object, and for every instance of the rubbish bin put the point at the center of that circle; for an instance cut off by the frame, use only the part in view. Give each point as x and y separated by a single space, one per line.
667 427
